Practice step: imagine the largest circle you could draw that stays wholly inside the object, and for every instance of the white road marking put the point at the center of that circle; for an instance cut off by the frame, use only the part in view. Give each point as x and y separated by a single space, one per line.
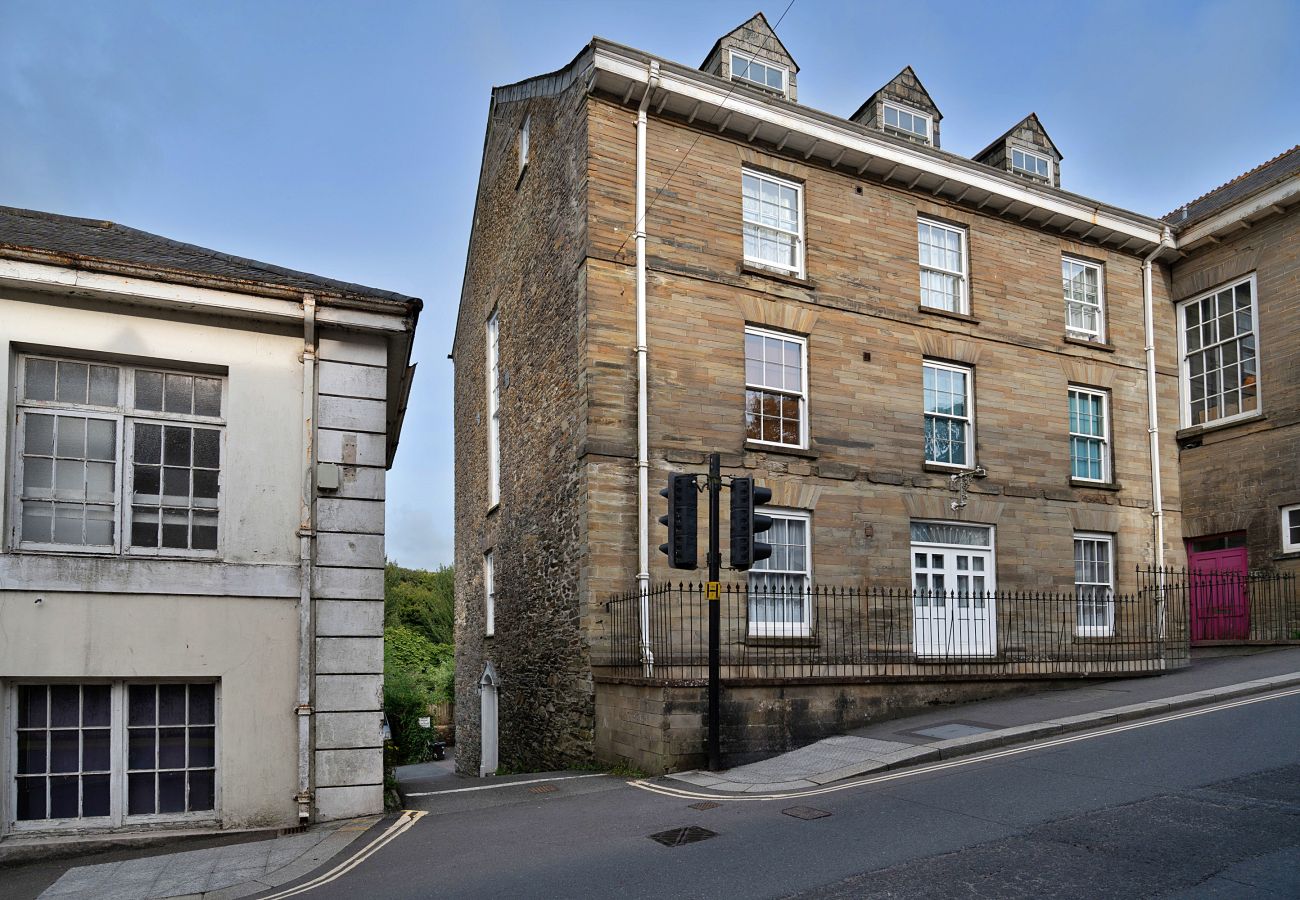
682 793
505 784
392 832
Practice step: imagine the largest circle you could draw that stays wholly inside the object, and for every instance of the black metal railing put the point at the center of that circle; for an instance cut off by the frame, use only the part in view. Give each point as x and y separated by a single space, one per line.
1255 607
887 632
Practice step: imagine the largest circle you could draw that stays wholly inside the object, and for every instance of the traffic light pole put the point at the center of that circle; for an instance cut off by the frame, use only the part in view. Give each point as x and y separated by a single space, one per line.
714 600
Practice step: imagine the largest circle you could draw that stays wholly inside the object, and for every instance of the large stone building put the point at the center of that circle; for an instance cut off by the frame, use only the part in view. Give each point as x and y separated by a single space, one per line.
669 261
1236 292
191 578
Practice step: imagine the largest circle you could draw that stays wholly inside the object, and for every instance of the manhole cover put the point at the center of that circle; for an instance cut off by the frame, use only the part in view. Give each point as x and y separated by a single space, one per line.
806 812
543 789
689 834
704 804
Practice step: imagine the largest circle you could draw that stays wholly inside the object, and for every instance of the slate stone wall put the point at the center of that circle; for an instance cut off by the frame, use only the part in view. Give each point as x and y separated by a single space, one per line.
528 242
1237 477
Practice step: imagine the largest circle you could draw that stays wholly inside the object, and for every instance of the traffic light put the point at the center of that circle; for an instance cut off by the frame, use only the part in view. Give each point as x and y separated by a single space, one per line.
745 523
683 508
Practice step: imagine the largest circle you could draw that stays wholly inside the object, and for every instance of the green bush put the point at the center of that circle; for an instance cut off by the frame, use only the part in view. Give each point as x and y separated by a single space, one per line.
419 665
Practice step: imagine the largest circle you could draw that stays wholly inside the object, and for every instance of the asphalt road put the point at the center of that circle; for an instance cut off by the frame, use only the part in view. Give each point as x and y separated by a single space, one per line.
1207 805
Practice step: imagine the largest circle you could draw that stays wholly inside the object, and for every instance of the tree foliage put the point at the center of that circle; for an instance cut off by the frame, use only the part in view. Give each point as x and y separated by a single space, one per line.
421 600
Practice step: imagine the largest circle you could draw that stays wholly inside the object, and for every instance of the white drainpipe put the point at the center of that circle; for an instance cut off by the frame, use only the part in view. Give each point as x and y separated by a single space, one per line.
306 532
642 404
1153 424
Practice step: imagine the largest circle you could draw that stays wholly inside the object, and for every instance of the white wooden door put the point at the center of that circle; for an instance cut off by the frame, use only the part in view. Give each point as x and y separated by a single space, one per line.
952 597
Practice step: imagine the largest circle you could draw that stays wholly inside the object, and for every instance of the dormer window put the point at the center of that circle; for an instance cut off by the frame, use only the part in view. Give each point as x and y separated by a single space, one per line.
765 75
906 122
1025 163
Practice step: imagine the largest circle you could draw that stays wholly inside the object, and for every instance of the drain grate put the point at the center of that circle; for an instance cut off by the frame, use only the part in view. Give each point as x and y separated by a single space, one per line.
805 812
297 829
704 804
688 834
543 789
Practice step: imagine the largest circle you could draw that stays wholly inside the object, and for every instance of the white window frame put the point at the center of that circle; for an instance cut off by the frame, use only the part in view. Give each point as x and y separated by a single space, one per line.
1108 628
118 816
489 594
803 387
1184 367
524 137
786 629
969 418
1037 157
750 60
928 137
1104 437
797 270
493 368
963 292
125 416
1099 335
1288 545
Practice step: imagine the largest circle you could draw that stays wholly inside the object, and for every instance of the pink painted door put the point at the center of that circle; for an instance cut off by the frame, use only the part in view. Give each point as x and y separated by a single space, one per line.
1220 606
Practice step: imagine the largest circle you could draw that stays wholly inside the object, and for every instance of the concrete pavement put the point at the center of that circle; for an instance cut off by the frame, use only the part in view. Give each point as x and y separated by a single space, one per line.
974 727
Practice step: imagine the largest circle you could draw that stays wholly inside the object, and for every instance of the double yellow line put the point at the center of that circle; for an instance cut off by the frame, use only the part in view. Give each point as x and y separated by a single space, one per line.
399 827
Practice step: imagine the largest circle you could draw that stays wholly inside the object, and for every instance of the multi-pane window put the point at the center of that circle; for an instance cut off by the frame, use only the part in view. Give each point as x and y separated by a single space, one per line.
776 388
942 252
773 221
1089 435
1094 584
114 458
64 760
494 411
949 414
112 751
746 68
489 594
908 122
1026 163
780 586
171 748
1291 529
1220 366
1082 284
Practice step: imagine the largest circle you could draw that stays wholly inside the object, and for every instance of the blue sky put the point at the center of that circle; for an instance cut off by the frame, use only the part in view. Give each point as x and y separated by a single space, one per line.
344 138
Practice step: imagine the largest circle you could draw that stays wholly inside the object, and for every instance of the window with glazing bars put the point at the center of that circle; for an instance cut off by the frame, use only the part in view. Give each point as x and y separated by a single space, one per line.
1082 284
1089 435
949 416
776 388
773 222
746 68
780 586
1026 163
1220 365
908 122
1094 584
494 410
115 458
942 252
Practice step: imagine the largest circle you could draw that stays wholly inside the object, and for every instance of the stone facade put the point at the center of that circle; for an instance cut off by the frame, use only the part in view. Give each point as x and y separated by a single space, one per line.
526 264
557 260
1238 476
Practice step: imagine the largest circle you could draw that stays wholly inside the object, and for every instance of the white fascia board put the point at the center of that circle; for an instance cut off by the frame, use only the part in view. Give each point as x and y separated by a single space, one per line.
842 137
167 295
1276 196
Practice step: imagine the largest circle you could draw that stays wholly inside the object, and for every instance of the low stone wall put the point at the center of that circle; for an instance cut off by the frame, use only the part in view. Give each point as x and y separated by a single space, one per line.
660 727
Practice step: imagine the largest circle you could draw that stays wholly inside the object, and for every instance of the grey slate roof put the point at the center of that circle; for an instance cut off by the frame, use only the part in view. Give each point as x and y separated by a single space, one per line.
93 243
1265 175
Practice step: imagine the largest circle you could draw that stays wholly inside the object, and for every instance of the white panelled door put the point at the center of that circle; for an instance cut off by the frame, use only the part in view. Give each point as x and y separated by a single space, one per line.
953 581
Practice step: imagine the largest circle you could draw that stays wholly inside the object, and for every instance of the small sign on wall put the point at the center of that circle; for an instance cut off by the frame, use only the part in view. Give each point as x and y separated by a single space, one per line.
426 722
